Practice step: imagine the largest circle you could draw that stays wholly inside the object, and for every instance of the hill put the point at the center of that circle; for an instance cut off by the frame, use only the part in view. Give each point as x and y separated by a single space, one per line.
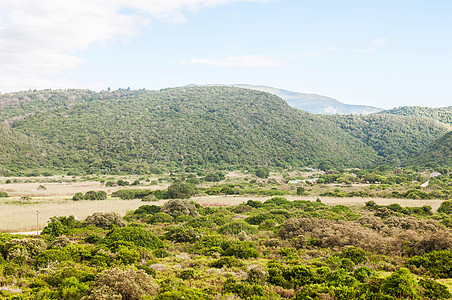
441 114
214 126
437 154
394 138
315 104
19 151
205 126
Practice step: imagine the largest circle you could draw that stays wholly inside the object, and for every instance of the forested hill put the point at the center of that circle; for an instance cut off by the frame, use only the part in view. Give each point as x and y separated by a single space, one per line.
207 126
194 126
394 138
441 114
19 150
437 154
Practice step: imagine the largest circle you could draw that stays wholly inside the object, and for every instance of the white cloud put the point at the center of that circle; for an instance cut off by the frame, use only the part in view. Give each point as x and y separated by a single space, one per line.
381 42
38 38
376 43
236 61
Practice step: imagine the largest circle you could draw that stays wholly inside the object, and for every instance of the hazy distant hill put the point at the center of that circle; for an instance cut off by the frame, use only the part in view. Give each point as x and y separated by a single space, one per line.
315 104
210 126
442 114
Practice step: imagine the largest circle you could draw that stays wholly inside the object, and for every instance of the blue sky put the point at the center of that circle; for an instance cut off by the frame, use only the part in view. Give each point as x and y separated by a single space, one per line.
381 53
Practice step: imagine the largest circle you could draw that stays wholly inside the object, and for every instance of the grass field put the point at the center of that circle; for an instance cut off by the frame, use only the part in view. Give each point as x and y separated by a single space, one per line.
17 216
22 217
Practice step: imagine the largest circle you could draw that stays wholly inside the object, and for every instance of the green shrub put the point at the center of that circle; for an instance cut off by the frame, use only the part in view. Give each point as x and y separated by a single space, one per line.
181 190
127 256
178 207
187 274
445 207
3 194
434 290
181 234
438 263
122 284
244 290
147 209
160 217
105 220
240 249
26 247
137 235
93 239
356 255
237 226
186 294
401 284
228 261
90 195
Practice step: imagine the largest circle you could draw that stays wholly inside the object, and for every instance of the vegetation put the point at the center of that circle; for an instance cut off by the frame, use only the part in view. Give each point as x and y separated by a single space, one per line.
145 131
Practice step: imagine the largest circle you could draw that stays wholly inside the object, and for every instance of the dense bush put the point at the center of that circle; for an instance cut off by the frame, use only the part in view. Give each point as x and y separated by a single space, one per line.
178 207
181 234
237 226
26 247
90 195
437 263
160 217
240 249
105 220
137 235
3 194
122 284
227 261
445 207
181 190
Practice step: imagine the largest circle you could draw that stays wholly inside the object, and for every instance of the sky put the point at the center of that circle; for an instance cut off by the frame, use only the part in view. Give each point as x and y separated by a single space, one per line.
382 53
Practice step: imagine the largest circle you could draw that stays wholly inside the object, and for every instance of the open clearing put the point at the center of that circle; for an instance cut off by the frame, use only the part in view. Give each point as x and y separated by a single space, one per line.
16 217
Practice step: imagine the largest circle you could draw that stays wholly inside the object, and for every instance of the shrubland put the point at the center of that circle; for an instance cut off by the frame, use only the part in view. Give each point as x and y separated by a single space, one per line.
273 249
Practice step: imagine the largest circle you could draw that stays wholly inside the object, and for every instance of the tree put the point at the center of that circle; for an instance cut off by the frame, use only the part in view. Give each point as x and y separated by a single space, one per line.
262 173
181 190
178 207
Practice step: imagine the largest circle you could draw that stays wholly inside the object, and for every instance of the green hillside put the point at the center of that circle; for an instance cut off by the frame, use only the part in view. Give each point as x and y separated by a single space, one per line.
394 138
441 114
196 126
18 151
207 126
437 154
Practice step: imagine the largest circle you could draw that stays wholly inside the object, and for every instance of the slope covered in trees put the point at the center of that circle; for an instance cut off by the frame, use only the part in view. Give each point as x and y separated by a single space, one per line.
441 114
437 154
394 138
218 126
197 126
18 151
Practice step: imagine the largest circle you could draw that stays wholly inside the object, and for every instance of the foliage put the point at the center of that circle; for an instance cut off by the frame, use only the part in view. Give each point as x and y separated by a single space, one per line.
181 190
237 226
122 284
90 195
105 220
137 235
178 207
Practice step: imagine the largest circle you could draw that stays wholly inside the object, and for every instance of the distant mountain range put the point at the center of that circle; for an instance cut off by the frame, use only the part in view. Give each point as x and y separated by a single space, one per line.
313 103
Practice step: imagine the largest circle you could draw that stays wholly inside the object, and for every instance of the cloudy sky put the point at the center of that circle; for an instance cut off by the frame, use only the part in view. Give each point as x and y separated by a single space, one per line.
384 53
